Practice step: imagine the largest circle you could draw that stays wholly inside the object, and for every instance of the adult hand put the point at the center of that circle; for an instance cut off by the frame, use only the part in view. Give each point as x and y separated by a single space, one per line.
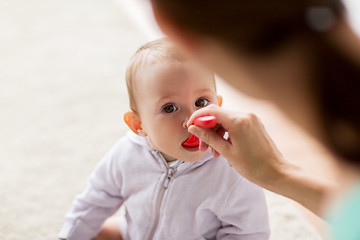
248 149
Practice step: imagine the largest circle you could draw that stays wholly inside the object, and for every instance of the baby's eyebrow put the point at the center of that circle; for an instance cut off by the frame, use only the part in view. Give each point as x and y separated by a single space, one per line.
204 90
162 99
172 95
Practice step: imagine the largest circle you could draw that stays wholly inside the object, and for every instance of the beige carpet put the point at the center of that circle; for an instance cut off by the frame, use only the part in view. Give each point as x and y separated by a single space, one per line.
62 98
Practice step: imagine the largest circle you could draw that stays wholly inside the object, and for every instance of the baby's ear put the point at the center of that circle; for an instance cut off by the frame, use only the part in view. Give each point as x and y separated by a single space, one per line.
133 121
220 100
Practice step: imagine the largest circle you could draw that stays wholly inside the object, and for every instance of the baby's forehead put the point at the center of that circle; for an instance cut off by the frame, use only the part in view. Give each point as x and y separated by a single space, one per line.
170 70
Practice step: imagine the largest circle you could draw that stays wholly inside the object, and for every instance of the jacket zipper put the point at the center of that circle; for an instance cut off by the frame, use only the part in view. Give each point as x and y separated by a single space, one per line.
170 173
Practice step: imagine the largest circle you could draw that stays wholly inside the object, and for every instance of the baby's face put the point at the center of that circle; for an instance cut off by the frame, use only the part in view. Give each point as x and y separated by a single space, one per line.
167 94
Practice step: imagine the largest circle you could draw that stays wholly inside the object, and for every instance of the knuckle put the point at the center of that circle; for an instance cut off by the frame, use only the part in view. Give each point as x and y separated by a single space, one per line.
244 121
252 116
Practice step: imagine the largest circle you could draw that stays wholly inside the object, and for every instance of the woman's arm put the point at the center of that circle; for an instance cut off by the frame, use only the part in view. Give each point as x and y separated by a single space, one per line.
308 190
254 155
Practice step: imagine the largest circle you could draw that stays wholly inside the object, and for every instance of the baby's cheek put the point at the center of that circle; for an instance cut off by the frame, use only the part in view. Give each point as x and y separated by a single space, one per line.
167 141
162 139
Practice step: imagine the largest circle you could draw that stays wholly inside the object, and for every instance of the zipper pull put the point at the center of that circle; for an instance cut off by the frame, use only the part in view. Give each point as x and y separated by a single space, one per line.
169 175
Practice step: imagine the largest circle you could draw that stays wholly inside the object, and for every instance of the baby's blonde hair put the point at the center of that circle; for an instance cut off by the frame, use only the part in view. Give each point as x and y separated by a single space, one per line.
155 51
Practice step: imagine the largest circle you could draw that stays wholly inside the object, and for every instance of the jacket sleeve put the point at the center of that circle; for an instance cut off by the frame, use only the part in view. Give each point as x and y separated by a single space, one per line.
243 214
100 200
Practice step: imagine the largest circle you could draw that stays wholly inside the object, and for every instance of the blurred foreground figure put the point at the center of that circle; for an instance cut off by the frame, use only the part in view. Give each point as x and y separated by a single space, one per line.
301 55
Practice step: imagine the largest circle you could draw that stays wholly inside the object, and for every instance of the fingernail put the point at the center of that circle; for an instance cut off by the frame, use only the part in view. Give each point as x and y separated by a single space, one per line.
193 130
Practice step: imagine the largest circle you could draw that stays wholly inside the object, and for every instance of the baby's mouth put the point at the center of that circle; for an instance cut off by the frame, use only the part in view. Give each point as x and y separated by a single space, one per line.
191 142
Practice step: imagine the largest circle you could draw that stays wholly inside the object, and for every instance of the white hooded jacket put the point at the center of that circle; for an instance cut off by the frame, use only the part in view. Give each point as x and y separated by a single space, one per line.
206 199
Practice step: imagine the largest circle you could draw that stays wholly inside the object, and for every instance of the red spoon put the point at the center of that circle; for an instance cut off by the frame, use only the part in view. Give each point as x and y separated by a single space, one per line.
192 141
205 122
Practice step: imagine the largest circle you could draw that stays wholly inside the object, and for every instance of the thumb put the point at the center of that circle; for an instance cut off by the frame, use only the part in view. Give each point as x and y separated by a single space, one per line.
211 137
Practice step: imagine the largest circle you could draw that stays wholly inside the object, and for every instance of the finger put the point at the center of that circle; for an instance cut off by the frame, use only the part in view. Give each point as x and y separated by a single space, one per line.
203 146
221 131
211 138
224 117
215 153
199 113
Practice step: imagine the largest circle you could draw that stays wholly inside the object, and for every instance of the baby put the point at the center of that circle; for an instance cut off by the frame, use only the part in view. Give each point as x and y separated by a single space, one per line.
170 190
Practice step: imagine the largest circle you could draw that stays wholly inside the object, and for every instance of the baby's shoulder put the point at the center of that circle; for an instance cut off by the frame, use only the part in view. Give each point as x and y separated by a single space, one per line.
128 145
125 150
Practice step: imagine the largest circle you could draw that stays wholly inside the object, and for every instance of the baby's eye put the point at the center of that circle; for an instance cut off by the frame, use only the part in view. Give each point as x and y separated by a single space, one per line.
201 102
169 108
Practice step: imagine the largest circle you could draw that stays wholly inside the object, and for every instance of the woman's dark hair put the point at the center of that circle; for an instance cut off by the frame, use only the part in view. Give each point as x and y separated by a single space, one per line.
261 27
337 84
247 25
